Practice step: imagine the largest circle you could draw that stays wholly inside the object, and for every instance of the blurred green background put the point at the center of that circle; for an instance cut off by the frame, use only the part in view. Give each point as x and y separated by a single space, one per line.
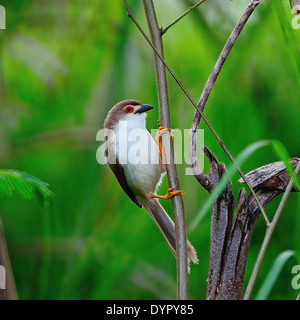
63 65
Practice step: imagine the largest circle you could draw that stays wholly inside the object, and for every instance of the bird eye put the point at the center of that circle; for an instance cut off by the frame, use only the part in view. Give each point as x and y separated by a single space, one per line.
129 109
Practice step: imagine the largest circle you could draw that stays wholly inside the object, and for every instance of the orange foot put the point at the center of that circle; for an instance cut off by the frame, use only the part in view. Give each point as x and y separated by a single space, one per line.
170 194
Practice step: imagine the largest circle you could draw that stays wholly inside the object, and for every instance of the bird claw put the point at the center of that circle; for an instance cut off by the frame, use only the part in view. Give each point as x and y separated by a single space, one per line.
161 131
170 194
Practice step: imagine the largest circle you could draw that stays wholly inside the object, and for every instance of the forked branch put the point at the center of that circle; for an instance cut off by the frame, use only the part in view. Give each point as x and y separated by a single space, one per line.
165 29
230 241
249 11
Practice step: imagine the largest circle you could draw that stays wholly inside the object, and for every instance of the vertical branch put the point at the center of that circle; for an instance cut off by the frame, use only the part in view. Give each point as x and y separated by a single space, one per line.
10 292
165 121
231 281
221 223
227 265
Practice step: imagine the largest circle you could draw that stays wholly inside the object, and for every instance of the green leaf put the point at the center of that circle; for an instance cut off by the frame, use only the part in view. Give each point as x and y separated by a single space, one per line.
273 275
241 158
23 184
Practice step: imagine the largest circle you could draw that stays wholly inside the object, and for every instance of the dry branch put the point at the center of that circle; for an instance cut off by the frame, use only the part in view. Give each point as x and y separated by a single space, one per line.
212 80
230 242
205 95
221 221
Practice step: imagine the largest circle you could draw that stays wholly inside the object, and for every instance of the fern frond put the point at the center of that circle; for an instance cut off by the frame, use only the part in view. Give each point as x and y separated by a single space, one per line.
23 184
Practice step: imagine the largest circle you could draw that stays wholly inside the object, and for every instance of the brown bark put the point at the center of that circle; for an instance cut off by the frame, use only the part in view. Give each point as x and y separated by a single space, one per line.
230 238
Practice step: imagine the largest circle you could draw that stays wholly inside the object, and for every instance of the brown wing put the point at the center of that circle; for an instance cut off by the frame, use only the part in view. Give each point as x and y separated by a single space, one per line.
118 171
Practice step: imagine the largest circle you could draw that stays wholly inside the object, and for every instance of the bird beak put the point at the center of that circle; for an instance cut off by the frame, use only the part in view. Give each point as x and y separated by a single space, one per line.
144 108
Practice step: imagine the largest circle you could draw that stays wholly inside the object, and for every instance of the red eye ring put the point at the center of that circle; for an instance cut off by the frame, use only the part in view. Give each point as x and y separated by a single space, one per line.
129 109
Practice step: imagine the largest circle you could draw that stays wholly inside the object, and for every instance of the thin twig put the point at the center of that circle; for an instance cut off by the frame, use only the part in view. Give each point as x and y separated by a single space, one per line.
165 121
225 53
268 235
208 89
165 29
252 5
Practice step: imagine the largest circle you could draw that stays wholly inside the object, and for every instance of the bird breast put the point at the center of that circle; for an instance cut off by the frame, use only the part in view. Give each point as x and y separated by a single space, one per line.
139 155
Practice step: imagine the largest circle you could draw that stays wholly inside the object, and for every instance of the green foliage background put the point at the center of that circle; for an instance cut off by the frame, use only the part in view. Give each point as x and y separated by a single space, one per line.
63 65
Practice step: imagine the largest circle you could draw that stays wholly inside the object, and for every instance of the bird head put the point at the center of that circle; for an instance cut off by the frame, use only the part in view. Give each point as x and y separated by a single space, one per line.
127 110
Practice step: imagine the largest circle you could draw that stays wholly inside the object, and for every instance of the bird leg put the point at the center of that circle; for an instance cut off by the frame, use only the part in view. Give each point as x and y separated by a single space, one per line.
158 137
160 132
170 194
171 191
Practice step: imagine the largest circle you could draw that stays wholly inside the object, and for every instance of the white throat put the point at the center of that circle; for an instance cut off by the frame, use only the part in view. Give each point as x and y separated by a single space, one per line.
134 121
138 153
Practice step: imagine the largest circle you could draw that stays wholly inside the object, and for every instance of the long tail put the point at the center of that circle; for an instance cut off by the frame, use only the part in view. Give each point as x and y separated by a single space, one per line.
167 227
